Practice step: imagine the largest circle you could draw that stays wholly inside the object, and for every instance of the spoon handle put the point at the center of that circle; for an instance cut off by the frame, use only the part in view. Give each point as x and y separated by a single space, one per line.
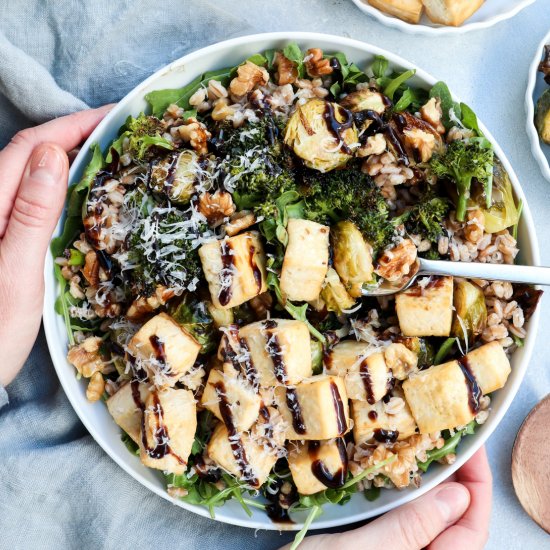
492 272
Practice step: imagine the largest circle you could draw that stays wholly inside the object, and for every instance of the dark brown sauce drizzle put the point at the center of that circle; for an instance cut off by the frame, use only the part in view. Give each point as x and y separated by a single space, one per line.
338 128
171 173
134 384
158 348
227 273
339 408
367 381
255 269
235 440
139 372
320 470
474 392
373 415
249 370
264 413
386 436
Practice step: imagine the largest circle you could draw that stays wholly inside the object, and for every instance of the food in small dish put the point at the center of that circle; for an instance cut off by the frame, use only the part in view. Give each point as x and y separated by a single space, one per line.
211 268
542 109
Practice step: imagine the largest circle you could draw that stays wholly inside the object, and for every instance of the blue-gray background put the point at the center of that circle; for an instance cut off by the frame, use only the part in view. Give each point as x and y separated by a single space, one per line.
58 489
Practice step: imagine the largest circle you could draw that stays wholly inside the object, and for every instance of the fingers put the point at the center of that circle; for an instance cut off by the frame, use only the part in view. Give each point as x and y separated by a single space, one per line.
471 530
35 212
68 132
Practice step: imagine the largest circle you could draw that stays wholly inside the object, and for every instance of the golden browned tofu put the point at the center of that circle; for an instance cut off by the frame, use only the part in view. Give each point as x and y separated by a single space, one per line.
439 398
306 260
245 403
451 12
317 408
255 458
234 269
317 465
279 350
170 423
366 376
372 422
490 366
408 10
426 311
126 406
165 349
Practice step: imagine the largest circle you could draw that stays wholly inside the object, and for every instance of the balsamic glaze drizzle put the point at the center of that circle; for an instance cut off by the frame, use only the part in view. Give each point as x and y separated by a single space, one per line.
367 381
474 392
336 127
339 408
226 273
320 470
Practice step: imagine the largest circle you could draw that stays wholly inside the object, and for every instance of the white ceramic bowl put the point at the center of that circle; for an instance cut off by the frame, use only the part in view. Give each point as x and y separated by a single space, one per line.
491 13
95 416
535 86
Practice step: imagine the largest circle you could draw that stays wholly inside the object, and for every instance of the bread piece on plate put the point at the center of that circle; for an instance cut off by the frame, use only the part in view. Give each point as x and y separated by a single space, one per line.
366 376
426 310
164 349
451 12
279 351
170 423
306 260
234 268
315 464
408 10
126 406
439 398
244 402
490 366
317 408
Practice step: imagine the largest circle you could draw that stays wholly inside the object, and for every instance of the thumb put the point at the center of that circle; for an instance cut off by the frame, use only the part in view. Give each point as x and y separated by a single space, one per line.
35 211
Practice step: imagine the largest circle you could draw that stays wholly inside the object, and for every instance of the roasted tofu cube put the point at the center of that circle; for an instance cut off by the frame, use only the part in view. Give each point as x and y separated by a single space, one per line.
126 407
165 349
234 269
235 393
366 376
248 459
279 349
316 465
317 408
170 423
490 366
375 422
426 310
439 398
306 260
408 10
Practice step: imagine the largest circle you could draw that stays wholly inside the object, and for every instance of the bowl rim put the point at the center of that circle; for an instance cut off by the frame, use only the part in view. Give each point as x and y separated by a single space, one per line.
438 30
536 142
59 356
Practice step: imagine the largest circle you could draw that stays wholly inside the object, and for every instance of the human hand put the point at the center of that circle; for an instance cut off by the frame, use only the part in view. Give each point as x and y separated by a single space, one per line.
453 516
34 168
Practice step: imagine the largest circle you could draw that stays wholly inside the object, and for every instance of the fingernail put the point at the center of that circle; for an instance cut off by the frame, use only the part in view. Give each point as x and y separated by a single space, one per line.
452 501
46 165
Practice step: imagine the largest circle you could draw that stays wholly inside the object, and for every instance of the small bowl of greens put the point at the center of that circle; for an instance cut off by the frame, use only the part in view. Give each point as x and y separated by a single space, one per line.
204 305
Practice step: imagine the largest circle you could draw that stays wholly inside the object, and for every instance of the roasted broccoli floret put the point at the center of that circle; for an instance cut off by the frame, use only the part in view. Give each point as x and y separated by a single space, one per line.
463 161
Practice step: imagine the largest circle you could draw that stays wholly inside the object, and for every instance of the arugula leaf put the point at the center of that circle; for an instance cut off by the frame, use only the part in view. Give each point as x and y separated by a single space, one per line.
131 445
293 52
520 342
448 105
351 75
515 228
61 306
393 85
270 58
380 66
404 101
315 511
444 350
469 119
372 494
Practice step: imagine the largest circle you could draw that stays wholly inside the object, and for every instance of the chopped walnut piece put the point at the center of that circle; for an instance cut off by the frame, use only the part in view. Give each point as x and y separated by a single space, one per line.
396 262
196 134
375 145
458 133
475 225
432 113
239 222
316 65
424 142
401 360
222 110
86 357
146 304
90 271
249 75
216 206
96 387
287 73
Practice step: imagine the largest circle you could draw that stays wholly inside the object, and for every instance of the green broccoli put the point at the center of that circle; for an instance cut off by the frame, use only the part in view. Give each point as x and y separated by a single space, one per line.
463 161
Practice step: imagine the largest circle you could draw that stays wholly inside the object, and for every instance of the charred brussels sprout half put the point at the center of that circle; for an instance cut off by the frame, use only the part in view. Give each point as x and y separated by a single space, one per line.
352 256
542 117
365 100
322 134
470 317
334 293
174 176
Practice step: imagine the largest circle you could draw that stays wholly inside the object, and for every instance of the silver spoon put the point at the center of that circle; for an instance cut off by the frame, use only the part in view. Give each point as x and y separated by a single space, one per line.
468 270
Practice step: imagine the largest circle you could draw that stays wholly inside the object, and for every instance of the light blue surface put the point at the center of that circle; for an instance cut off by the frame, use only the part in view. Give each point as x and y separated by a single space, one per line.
54 480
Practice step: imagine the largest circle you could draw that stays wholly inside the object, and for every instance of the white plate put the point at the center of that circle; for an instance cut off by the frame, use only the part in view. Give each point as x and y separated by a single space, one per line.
491 13
535 86
95 416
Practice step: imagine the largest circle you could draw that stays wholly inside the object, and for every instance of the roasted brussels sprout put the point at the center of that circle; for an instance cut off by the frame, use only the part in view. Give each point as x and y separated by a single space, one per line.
352 256
470 316
322 134
175 176
221 317
334 293
316 356
503 213
365 100
542 116
423 349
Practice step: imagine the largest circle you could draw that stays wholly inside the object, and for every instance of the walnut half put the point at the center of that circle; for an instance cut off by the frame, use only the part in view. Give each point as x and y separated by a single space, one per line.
216 206
396 262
